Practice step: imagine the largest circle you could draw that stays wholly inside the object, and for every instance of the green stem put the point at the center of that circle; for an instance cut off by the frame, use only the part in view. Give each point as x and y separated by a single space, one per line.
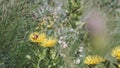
91 66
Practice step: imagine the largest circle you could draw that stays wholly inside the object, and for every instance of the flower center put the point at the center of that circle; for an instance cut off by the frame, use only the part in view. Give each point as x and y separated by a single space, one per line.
35 36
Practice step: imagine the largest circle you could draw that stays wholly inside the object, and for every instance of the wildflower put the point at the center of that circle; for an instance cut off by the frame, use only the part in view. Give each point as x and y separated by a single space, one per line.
80 55
77 61
36 37
28 56
63 44
116 52
61 38
49 42
93 60
81 48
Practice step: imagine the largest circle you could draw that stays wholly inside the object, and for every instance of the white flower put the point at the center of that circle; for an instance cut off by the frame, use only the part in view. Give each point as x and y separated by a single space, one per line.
61 38
77 61
64 46
72 30
28 56
80 50
80 55
59 41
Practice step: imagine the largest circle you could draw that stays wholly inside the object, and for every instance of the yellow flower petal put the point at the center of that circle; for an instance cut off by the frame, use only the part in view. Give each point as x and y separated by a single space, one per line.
116 52
49 42
93 60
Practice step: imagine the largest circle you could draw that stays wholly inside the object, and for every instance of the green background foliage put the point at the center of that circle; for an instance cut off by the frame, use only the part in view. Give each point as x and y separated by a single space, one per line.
19 18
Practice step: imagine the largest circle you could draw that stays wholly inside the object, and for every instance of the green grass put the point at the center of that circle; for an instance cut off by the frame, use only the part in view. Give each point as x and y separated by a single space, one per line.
19 18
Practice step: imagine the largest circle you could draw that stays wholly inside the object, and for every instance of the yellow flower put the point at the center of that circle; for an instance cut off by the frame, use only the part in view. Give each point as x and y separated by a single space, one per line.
116 52
49 42
36 37
93 60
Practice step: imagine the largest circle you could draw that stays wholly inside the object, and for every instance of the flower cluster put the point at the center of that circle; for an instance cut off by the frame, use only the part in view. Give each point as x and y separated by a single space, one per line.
62 43
93 60
42 40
